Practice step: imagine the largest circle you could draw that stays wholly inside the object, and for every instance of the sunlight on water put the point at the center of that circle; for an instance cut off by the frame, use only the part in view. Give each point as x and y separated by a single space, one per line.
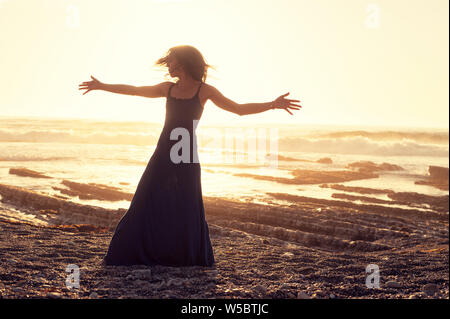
87 154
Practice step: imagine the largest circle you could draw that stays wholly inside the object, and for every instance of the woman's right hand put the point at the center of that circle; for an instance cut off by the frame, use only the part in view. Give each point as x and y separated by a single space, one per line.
90 85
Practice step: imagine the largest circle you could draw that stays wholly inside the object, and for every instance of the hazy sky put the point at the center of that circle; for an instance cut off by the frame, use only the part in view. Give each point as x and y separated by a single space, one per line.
350 62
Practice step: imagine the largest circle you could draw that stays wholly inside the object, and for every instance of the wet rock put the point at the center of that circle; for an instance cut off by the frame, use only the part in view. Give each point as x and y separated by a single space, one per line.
370 167
303 295
430 289
159 285
393 284
54 295
212 272
17 289
94 191
174 282
20 171
290 295
303 176
325 160
439 203
261 289
438 178
66 212
139 282
40 280
287 255
284 286
80 228
142 273
93 295
438 173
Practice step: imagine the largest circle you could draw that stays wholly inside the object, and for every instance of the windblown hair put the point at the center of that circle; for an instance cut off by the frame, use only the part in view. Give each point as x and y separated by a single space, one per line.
190 59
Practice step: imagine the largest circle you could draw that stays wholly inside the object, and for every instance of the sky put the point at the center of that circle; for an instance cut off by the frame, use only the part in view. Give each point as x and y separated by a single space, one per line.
350 62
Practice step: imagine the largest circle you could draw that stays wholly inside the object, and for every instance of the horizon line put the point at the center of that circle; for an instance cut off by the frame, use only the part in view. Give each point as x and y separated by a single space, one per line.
220 124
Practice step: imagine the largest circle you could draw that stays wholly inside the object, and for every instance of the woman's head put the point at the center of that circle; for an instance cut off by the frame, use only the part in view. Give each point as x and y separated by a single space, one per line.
185 60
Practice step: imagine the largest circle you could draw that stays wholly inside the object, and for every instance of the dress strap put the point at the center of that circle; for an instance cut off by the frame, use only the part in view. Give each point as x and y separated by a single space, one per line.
170 88
198 89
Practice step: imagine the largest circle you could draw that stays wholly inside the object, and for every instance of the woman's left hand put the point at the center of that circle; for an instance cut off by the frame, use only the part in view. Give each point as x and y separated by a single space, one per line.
282 103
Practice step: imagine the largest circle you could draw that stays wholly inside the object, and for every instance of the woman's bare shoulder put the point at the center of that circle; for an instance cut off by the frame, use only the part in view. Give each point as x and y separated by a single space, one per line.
165 86
208 90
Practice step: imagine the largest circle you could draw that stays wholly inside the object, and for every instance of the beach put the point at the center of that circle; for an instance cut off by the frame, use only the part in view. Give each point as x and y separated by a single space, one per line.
341 203
262 252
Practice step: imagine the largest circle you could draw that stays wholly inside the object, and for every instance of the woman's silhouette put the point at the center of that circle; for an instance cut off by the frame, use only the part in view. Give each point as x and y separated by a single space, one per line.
165 223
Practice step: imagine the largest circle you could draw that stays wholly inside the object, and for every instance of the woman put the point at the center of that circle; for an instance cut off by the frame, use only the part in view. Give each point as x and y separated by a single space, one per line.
165 223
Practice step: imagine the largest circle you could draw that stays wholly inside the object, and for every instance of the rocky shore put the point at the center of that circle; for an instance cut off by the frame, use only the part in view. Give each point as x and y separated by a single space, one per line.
310 248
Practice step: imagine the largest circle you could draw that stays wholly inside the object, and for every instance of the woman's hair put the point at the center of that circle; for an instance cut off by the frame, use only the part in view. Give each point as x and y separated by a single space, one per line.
190 59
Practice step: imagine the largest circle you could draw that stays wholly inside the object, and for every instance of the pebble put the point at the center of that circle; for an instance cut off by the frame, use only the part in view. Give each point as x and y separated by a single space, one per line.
287 255
54 295
284 286
142 273
40 280
430 289
159 285
174 282
93 295
213 272
260 289
208 286
303 295
332 296
139 282
393 284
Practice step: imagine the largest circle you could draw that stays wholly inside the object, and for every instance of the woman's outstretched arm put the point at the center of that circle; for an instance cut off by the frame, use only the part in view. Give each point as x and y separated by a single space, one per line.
145 91
251 108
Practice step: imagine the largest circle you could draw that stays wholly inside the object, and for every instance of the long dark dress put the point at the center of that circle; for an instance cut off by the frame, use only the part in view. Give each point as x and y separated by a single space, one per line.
165 223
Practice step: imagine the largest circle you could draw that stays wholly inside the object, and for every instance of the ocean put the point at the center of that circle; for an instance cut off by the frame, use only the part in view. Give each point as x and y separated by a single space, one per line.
116 154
